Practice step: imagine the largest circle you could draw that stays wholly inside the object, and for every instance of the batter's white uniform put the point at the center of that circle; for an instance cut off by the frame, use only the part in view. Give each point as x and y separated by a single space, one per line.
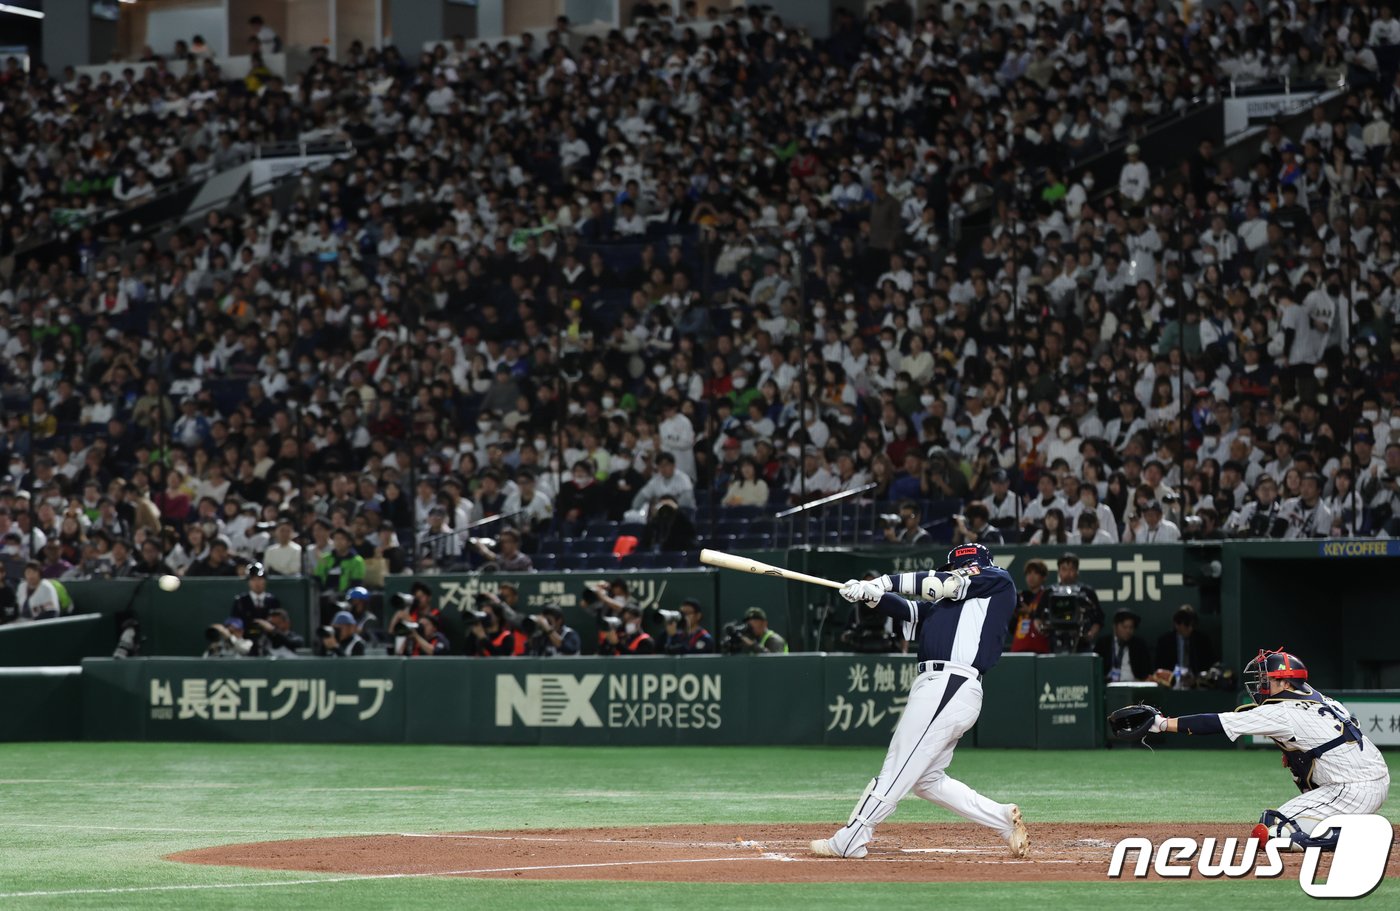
960 635
1350 778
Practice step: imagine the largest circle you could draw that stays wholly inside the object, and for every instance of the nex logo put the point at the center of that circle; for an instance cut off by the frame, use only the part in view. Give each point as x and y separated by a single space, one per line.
547 700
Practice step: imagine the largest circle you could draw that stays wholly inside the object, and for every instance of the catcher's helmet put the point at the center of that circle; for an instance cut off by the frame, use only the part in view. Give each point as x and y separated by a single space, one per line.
1276 665
967 554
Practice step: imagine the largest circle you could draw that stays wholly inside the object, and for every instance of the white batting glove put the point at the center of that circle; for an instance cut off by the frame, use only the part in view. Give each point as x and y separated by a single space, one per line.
1159 724
850 590
885 582
871 591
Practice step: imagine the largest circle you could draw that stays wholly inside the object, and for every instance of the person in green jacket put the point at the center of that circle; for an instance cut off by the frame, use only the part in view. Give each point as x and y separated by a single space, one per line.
341 568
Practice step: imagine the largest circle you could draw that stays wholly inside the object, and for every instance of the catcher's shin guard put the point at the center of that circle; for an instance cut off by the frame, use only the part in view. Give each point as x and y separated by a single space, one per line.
1277 825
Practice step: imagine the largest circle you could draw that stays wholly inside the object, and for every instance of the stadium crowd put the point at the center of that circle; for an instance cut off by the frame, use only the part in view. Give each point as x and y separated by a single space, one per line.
702 268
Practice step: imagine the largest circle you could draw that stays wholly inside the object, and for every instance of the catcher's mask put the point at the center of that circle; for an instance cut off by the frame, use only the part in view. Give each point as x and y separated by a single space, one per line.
966 555
1276 665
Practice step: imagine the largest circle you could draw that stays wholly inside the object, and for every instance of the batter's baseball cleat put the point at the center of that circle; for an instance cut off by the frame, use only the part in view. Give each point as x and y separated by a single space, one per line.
1019 841
822 848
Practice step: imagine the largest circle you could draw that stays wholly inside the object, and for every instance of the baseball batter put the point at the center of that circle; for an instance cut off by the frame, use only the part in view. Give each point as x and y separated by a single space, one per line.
959 619
1337 769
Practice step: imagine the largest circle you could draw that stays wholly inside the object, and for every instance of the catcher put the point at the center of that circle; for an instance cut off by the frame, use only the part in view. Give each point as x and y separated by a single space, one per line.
1335 767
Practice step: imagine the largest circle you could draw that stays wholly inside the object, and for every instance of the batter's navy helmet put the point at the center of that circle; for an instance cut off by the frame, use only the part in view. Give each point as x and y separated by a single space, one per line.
1276 665
967 554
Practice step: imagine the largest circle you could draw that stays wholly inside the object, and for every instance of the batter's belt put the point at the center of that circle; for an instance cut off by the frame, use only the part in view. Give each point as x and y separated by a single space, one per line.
967 670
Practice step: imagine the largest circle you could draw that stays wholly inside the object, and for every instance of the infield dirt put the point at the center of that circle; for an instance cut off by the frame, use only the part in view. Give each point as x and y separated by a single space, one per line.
740 853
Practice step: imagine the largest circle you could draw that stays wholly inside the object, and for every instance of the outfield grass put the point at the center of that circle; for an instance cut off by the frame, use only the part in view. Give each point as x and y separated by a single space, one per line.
91 821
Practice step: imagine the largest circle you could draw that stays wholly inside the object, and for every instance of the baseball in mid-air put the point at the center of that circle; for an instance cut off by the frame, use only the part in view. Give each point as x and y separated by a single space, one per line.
168 583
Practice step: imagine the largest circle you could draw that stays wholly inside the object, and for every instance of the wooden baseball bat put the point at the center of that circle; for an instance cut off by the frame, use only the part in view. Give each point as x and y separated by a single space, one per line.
744 565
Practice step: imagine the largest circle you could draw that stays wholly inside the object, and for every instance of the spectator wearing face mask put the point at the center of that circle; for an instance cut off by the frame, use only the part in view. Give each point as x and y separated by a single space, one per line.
580 498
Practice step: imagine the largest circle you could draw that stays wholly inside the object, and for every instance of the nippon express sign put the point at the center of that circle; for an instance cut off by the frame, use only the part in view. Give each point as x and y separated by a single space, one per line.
617 700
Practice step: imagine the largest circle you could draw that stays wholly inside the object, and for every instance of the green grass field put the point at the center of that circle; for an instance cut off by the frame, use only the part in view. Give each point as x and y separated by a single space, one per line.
86 825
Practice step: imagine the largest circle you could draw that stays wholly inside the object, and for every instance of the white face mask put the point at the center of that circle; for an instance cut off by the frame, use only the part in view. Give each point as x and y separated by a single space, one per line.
819 312
795 451
609 402
631 628
1320 372
1371 415
926 400
1209 442
850 314
658 370
741 382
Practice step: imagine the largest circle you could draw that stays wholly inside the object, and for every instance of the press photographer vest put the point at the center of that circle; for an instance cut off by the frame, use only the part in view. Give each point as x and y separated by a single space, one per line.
517 643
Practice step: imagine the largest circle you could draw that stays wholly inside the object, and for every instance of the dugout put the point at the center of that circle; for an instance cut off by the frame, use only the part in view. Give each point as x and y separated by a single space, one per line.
1334 602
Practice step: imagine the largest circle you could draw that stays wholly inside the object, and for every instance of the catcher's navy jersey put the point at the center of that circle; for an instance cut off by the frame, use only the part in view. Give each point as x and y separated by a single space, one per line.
968 628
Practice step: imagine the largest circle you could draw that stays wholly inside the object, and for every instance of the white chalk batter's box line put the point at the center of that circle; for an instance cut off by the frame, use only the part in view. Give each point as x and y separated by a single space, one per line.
724 845
483 871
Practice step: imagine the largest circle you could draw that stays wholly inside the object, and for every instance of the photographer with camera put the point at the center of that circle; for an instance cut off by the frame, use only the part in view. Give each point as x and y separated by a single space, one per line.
606 599
411 605
974 526
550 636
506 597
274 637
752 636
904 528
1068 569
1261 517
422 637
492 635
509 559
226 640
624 635
1151 528
695 639
341 639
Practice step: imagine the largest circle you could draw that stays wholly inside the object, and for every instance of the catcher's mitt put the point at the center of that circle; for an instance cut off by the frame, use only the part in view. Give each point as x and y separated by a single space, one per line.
1132 722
